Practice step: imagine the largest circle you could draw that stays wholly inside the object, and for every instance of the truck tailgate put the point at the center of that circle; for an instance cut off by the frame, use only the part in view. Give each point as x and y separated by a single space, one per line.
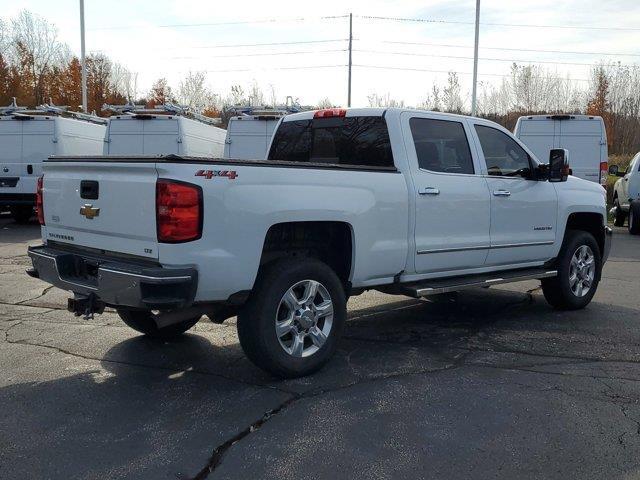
103 205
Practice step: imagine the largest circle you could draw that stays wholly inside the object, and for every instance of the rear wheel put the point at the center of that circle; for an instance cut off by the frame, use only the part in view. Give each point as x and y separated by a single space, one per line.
291 324
634 218
578 266
22 213
619 219
143 321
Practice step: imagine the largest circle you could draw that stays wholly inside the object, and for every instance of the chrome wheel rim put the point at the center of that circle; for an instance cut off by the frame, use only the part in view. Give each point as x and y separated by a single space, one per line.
582 271
304 318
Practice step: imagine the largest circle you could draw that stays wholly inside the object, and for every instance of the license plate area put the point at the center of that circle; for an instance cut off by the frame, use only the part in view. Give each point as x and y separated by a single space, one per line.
78 269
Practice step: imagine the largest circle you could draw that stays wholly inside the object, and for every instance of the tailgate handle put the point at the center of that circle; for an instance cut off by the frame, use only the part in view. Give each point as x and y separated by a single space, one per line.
89 189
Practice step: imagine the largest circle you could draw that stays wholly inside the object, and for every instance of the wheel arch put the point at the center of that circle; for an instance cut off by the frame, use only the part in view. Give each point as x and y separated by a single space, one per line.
591 222
332 242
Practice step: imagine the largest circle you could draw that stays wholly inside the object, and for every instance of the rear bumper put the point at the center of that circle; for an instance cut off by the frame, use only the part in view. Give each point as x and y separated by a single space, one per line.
17 199
608 235
115 282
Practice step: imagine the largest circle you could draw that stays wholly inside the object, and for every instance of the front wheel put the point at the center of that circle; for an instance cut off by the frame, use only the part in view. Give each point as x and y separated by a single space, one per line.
143 321
634 218
291 324
579 265
620 216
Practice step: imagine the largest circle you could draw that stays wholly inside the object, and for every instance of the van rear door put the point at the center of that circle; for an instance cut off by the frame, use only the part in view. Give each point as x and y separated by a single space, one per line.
142 135
584 138
10 155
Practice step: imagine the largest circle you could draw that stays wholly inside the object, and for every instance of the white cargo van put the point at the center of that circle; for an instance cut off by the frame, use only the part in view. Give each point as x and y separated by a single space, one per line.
249 136
583 135
161 131
27 138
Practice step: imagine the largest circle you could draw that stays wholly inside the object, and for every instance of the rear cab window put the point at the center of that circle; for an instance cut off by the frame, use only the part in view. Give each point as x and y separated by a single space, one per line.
360 141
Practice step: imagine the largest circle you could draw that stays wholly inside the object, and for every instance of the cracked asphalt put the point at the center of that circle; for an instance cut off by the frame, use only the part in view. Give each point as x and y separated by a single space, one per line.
483 384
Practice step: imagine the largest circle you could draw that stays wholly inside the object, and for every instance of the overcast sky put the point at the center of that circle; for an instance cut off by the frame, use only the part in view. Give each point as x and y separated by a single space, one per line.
168 38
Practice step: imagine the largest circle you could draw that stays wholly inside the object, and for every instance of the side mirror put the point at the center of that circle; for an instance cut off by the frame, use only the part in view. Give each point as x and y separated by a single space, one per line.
559 165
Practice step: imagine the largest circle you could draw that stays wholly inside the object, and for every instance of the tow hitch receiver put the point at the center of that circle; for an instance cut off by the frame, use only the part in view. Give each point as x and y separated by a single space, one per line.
85 305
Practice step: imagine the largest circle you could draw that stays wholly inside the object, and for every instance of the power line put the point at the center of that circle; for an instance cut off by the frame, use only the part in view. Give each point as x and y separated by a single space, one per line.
215 24
522 25
270 44
459 72
411 54
264 54
302 67
514 49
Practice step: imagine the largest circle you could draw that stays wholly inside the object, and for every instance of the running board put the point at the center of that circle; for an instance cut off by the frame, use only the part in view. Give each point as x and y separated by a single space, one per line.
453 284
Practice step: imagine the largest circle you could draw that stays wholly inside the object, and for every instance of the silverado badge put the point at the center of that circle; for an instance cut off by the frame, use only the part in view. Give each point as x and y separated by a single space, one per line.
89 212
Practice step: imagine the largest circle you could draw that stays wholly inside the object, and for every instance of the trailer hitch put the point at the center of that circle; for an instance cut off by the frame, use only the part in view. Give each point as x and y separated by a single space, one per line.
85 305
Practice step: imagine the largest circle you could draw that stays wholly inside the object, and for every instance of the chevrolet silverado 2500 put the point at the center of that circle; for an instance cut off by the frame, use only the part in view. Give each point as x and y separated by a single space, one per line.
402 201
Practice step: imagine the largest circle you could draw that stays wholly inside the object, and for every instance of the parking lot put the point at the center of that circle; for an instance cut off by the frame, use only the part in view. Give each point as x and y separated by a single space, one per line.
484 384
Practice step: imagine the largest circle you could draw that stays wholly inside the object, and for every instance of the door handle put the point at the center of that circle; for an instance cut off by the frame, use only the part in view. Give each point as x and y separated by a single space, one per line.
428 191
502 193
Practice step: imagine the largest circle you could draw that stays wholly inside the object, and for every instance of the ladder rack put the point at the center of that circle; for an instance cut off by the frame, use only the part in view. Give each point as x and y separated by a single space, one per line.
48 109
166 109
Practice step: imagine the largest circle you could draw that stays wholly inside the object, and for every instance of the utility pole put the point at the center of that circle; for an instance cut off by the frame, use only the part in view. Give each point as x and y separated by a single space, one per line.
350 45
475 60
82 58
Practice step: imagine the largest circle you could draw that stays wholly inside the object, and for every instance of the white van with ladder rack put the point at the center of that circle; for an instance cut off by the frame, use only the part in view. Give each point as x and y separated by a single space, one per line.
30 136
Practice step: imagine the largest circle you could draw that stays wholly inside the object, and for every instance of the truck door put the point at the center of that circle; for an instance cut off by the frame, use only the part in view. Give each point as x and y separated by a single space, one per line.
452 206
523 210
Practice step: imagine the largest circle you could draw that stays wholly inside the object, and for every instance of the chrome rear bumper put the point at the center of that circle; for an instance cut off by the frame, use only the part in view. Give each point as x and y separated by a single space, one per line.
115 282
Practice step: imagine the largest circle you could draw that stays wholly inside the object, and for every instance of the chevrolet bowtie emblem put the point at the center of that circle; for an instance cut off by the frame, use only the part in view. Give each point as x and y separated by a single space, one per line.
89 212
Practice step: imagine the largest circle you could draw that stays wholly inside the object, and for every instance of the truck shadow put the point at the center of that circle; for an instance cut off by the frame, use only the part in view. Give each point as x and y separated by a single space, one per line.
156 409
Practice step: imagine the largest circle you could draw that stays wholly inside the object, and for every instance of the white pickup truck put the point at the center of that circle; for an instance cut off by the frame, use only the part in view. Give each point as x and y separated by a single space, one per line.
626 195
401 201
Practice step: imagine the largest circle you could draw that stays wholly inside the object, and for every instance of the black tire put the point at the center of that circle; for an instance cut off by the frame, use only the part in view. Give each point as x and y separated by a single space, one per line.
22 213
620 216
142 321
258 317
557 290
634 218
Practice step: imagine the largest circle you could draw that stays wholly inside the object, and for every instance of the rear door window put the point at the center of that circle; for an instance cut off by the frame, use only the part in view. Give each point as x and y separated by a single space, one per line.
353 141
441 145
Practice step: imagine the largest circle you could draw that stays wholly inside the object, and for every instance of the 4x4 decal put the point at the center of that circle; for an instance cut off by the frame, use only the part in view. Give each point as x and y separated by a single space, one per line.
209 174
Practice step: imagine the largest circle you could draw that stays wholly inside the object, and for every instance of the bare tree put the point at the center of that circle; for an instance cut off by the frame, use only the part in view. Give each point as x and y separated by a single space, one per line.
193 92
376 100
325 103
256 95
452 94
36 46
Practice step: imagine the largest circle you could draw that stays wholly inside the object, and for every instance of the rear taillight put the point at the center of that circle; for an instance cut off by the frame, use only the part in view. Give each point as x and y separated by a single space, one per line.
39 204
178 211
604 173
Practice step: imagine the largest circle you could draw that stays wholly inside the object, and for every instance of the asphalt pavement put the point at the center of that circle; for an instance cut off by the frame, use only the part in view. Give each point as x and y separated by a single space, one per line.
483 384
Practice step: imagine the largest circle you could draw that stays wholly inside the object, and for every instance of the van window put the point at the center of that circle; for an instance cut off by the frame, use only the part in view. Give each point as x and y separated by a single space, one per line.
357 141
504 157
441 145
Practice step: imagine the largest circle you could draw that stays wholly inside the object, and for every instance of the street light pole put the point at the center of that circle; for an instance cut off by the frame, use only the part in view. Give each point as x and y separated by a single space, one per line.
82 58
350 45
475 60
